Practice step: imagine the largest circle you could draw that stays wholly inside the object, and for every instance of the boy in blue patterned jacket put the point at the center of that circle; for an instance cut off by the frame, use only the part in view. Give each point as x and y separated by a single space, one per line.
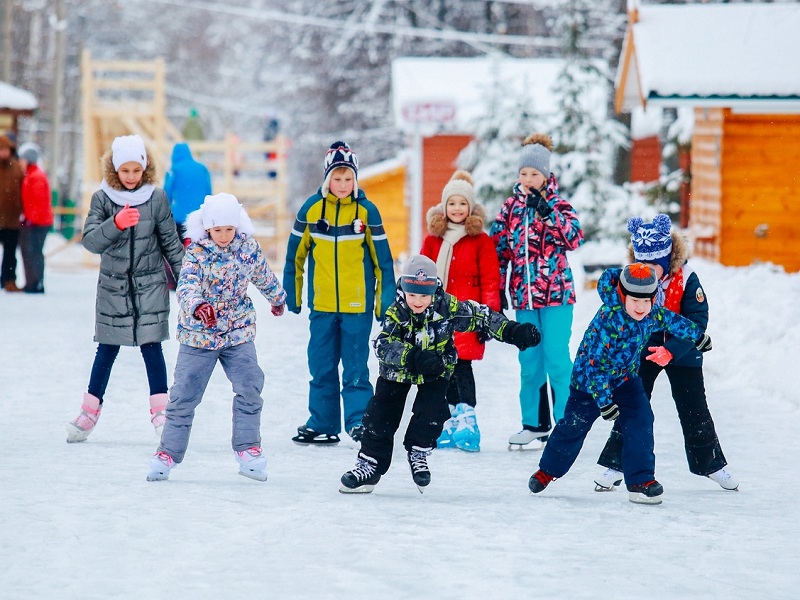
217 322
416 347
605 380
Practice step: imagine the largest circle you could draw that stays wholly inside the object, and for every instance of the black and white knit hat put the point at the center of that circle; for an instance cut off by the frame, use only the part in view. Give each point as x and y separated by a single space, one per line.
419 276
638 280
339 155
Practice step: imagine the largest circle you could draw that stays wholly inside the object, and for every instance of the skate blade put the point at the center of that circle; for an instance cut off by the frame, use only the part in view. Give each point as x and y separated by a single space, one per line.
530 447
75 435
157 476
362 489
421 489
638 498
599 487
257 475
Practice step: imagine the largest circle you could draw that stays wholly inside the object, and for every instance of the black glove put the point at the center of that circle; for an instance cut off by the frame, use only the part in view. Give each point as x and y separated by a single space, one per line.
484 337
704 343
533 198
543 209
425 362
522 335
609 412
503 300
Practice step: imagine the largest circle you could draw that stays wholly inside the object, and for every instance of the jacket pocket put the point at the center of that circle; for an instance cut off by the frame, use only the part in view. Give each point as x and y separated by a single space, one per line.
113 298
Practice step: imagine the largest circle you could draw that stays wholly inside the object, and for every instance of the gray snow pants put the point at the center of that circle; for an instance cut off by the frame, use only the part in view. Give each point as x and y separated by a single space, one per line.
192 372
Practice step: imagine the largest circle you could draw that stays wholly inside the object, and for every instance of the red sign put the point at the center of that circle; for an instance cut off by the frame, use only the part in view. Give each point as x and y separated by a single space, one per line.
429 112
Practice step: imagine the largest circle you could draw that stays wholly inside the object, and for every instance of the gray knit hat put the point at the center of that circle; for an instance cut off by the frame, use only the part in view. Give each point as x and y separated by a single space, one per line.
536 156
419 276
638 280
30 152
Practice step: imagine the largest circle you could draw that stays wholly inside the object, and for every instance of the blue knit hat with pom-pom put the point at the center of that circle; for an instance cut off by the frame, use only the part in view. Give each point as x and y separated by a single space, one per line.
652 242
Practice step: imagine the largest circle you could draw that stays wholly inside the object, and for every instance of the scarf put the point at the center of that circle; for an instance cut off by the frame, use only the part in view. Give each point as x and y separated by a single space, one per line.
454 233
132 197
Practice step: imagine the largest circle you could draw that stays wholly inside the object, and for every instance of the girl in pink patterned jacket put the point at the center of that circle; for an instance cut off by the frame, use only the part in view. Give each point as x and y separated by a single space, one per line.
532 234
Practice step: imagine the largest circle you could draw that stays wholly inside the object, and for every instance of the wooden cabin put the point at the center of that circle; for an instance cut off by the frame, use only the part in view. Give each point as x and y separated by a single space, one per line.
744 204
14 103
384 184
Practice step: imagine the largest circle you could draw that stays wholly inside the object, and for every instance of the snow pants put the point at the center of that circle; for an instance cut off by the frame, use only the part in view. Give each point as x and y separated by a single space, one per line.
192 372
635 421
31 245
550 359
462 385
703 450
385 410
9 238
335 338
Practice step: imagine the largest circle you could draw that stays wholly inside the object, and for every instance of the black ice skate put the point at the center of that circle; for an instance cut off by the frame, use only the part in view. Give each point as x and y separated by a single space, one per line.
539 481
306 436
646 493
362 479
418 462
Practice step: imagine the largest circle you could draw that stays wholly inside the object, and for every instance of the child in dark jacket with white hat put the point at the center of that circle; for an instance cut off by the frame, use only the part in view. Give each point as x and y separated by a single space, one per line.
605 380
416 347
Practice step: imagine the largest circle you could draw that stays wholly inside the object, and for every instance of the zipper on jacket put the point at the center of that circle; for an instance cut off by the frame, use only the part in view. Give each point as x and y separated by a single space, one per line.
527 259
336 252
131 291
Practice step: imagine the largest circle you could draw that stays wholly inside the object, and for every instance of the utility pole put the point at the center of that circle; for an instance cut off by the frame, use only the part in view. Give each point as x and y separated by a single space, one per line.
7 10
58 93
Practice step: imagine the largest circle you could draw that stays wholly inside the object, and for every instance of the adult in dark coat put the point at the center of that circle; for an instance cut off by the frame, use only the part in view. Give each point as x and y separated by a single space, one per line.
10 213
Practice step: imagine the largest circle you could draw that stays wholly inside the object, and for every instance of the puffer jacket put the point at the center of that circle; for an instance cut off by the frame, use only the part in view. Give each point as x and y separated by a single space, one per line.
474 271
609 352
433 329
10 194
220 277
132 305
536 253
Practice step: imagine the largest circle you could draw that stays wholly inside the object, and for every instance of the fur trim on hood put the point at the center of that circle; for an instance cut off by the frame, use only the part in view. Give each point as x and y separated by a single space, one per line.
437 222
679 256
112 179
196 232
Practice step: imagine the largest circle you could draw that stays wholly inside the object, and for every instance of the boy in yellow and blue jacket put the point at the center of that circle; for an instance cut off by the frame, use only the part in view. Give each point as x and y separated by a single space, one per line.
338 234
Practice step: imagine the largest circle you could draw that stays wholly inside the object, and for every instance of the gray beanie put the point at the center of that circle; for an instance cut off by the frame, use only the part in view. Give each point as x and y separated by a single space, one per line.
419 276
536 156
29 152
638 280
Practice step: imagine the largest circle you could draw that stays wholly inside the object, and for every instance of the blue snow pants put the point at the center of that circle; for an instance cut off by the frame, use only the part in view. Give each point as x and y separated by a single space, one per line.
550 358
192 371
635 421
335 338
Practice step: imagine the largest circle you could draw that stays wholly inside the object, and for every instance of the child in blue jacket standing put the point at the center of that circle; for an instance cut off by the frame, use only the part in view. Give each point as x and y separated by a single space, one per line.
605 380
217 322
338 234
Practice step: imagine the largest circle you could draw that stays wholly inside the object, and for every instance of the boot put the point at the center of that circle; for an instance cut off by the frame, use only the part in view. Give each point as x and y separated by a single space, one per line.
158 412
448 429
160 465
725 480
252 463
539 481
607 481
363 478
11 286
649 492
467 436
418 462
79 429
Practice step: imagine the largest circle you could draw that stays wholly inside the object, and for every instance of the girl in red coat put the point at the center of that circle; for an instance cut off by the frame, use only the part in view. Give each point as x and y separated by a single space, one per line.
467 264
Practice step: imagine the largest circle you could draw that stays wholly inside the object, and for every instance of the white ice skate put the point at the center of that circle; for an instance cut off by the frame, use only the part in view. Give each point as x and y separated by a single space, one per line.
160 465
608 481
725 480
528 440
252 463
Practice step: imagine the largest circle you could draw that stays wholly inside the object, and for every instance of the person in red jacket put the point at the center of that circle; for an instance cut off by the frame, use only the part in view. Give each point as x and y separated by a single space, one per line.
37 215
467 264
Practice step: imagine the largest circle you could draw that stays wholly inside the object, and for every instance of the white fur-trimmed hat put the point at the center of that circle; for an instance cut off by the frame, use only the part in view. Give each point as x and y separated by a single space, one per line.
128 148
460 184
219 210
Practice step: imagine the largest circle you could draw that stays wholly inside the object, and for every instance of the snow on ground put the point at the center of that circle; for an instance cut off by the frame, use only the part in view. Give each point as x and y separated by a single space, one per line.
80 521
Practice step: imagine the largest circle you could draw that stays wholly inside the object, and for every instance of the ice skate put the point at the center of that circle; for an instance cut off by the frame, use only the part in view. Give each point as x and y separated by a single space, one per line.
363 478
448 429
467 436
608 481
418 463
356 432
252 463
158 412
646 493
79 429
307 437
539 481
725 480
528 440
160 465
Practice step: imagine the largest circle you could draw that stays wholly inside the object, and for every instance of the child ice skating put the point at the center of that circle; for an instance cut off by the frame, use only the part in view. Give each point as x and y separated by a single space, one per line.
679 290
416 347
533 232
605 380
130 226
350 275
467 265
217 322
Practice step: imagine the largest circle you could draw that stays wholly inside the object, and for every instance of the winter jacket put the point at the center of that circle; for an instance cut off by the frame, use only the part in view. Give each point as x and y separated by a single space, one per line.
347 264
187 183
10 194
220 276
536 253
474 271
132 297
37 206
609 352
693 305
431 330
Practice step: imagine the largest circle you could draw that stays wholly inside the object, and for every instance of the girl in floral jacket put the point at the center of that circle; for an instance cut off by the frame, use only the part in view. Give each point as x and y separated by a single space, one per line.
467 265
217 322
532 233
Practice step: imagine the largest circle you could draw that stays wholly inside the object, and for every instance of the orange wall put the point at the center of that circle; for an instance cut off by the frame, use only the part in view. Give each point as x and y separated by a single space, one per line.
645 159
388 192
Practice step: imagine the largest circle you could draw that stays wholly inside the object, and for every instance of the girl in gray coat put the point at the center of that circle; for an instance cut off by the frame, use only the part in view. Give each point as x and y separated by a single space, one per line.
130 226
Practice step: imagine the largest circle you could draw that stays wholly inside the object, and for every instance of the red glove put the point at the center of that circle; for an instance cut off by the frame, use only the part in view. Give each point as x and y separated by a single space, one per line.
660 355
186 242
277 309
205 312
127 217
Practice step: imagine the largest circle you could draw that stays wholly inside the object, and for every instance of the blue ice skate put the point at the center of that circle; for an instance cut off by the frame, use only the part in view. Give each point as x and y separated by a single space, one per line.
467 436
448 429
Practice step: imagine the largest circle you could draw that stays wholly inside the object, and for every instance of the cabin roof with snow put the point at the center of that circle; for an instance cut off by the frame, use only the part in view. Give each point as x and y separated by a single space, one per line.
14 99
739 56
